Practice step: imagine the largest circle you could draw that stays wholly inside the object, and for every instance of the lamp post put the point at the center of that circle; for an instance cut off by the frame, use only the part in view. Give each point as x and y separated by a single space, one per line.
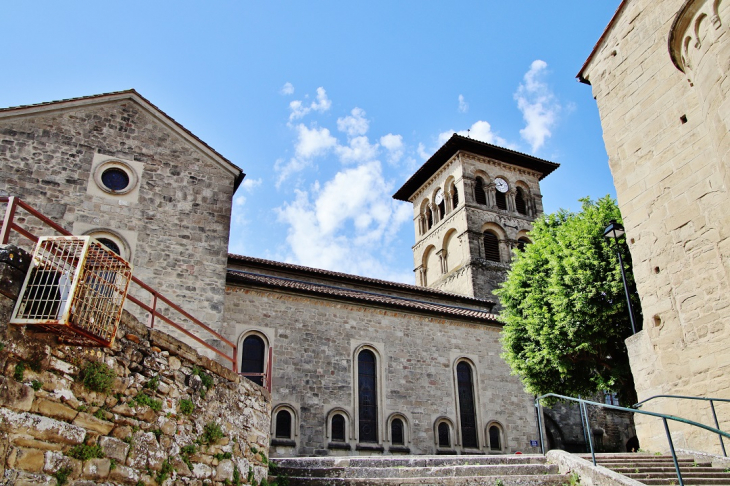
614 231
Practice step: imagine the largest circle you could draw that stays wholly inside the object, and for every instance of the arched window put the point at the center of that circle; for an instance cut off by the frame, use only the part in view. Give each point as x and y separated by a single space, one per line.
521 243
501 199
495 438
442 209
479 195
338 428
252 359
467 411
491 247
283 424
454 197
429 219
444 432
520 204
367 396
396 432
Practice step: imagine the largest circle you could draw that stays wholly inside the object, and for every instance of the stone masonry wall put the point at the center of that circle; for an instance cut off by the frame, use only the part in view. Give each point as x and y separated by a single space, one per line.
665 131
47 415
315 344
176 226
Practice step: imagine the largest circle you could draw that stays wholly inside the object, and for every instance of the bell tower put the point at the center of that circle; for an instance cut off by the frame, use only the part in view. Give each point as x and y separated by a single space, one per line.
473 204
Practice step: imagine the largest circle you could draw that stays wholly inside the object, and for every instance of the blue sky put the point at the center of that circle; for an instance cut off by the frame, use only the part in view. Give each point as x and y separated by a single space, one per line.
330 106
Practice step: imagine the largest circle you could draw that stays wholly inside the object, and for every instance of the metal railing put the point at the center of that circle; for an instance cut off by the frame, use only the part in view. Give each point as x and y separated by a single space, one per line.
9 225
684 397
266 375
582 403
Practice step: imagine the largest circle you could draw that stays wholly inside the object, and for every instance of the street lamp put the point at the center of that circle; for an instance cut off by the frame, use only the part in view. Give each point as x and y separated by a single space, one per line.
614 231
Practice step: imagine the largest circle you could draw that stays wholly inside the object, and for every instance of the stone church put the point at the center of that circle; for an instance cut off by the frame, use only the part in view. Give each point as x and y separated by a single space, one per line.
659 74
360 365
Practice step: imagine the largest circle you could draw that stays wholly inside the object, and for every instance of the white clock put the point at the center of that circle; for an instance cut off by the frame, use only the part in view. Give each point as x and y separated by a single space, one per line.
439 197
501 184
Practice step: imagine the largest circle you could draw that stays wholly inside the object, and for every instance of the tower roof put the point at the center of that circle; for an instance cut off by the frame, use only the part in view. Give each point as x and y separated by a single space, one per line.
466 144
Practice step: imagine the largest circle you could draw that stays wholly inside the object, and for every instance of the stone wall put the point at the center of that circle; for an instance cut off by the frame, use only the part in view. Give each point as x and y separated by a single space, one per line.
659 77
316 341
172 226
149 428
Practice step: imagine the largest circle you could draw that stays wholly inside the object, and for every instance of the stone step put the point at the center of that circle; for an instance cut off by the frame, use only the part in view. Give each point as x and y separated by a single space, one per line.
530 480
413 472
661 469
632 465
685 476
407 461
687 482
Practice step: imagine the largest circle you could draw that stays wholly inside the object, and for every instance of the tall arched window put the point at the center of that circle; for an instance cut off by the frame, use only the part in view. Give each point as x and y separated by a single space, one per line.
467 411
501 199
479 195
367 396
396 432
520 204
429 219
252 358
283 424
442 209
495 438
454 197
338 428
491 247
444 432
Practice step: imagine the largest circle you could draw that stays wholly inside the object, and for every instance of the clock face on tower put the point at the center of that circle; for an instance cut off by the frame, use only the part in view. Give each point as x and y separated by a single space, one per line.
501 184
439 197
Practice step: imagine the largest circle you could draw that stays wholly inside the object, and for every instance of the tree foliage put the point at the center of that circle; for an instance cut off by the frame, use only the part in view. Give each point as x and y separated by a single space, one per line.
564 306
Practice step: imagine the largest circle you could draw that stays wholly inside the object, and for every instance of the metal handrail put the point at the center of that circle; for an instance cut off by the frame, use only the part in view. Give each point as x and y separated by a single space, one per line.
582 403
712 401
9 225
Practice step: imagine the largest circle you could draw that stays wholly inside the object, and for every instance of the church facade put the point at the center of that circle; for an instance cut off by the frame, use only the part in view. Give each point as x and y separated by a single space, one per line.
360 366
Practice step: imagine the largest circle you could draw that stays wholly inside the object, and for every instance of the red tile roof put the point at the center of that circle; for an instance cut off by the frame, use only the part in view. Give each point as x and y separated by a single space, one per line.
442 310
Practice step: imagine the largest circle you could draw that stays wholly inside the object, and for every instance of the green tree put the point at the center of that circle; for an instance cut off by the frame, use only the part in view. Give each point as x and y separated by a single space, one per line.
564 306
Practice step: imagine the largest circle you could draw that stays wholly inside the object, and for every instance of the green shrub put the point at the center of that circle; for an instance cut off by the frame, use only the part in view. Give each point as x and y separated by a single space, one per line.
164 472
36 384
62 475
188 449
147 401
97 376
158 433
19 371
85 452
205 378
211 433
222 456
187 406
153 384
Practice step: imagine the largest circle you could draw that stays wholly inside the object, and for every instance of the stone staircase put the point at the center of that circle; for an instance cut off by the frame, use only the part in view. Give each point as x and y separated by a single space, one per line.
513 470
652 469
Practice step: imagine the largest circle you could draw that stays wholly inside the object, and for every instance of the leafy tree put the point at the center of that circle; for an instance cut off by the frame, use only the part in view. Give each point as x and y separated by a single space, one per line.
564 306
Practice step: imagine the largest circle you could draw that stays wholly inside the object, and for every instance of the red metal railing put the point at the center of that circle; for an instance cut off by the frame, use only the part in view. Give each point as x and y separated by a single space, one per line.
9 224
266 375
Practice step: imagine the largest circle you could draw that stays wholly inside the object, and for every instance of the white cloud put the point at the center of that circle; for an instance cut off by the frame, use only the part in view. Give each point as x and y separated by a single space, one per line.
422 150
313 142
249 184
538 105
299 109
287 89
354 124
463 105
285 169
394 145
480 130
347 224
359 150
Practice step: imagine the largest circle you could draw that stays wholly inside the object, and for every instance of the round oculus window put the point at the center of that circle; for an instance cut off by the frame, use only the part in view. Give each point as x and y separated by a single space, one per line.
115 179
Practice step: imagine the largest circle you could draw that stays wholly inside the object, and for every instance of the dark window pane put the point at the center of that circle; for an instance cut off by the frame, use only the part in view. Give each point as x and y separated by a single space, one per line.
494 439
110 244
444 435
521 243
396 432
283 425
479 195
429 219
253 358
115 179
367 396
467 413
338 428
491 247
442 209
501 200
455 198
520 202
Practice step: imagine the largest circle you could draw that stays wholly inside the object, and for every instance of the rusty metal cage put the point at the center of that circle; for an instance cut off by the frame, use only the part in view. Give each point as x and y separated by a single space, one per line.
75 288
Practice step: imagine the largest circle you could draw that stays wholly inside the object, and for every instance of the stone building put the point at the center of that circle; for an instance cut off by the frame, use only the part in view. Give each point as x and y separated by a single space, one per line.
659 74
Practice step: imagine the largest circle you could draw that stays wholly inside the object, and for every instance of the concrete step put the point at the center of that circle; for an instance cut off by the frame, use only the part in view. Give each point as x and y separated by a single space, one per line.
411 472
687 482
406 461
530 480
669 469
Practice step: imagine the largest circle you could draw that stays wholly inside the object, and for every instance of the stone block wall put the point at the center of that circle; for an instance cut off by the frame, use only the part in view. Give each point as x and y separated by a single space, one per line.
659 77
47 415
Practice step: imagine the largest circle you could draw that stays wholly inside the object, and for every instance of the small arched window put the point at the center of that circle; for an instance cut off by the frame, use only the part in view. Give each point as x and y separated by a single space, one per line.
495 438
283 424
338 428
444 432
520 204
501 199
454 197
252 359
521 243
479 195
429 219
491 247
396 432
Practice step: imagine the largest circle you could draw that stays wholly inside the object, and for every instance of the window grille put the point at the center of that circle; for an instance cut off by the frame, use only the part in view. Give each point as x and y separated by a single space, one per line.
338 428
454 198
444 432
396 432
520 202
491 247
479 195
501 200
75 288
